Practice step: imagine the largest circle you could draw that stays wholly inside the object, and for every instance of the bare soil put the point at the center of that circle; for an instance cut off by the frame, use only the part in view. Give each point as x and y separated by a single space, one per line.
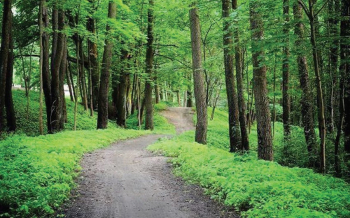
127 181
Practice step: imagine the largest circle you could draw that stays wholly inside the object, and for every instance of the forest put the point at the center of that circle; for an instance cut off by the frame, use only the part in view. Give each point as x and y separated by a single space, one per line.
255 95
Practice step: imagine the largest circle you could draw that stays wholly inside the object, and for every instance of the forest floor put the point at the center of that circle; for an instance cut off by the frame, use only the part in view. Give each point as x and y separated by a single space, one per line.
127 181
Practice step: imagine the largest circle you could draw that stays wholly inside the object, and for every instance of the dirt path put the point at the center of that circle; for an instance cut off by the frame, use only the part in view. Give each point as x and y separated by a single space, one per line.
127 181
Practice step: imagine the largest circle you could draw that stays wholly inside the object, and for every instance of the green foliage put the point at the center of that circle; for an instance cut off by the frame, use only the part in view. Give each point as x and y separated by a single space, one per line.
161 125
37 174
28 120
254 187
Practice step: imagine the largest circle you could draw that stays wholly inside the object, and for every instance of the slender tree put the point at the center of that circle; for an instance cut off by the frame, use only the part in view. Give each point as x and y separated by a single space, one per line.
307 97
312 15
285 68
345 61
265 147
102 120
198 76
6 63
234 128
240 87
149 68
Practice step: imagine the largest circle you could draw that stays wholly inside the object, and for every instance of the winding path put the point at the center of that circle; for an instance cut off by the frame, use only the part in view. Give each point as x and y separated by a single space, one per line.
127 181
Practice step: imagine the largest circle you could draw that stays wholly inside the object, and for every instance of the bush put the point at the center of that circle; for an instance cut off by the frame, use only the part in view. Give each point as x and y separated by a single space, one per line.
254 187
37 174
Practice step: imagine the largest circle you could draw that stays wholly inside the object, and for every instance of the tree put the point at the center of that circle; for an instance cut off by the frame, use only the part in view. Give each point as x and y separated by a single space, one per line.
240 88
307 97
199 89
345 67
234 128
312 15
149 68
6 69
265 150
285 67
102 120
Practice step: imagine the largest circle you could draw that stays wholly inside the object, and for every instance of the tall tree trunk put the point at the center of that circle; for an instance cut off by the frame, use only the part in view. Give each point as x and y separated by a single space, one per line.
234 128
198 76
10 109
93 56
63 72
240 87
5 57
265 147
285 68
149 68
46 66
333 26
307 98
56 106
122 89
320 98
41 30
102 120
345 54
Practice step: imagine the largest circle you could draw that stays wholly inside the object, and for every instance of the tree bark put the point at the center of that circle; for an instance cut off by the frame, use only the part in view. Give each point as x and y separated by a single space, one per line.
149 69
122 91
10 109
320 98
93 57
240 87
265 147
345 55
102 120
198 76
234 128
46 66
285 68
307 98
56 105
5 57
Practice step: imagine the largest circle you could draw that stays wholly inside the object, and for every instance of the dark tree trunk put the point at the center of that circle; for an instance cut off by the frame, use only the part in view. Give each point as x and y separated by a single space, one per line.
5 57
63 72
122 91
102 120
285 68
189 102
234 128
240 87
198 76
333 25
56 106
265 147
93 57
149 68
46 66
307 98
10 109
320 98
345 54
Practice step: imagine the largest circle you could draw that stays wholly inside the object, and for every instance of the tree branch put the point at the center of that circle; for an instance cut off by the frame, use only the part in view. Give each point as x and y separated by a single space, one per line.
302 4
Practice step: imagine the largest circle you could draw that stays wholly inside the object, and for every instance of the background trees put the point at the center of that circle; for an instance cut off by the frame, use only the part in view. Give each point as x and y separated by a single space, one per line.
154 58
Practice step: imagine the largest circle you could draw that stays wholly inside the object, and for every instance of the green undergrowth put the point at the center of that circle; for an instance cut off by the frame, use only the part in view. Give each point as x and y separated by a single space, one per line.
28 120
254 187
37 173
161 125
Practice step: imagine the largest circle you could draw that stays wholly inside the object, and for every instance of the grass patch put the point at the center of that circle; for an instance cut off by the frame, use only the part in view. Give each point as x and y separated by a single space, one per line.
28 120
161 125
37 173
254 187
